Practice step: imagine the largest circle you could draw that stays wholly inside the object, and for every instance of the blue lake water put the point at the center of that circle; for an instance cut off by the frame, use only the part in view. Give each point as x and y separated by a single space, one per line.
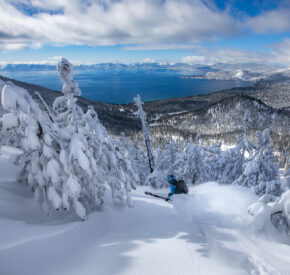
120 86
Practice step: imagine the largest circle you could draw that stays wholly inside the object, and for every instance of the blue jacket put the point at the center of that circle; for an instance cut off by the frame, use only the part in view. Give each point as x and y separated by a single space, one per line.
173 188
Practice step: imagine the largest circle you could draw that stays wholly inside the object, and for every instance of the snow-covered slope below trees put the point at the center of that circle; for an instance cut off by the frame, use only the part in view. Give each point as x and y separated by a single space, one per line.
207 232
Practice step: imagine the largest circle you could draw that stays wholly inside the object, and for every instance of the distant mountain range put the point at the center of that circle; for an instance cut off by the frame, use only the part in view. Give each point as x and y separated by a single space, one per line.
104 66
220 71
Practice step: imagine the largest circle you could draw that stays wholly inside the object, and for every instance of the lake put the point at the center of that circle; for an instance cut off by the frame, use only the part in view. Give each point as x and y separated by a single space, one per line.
120 86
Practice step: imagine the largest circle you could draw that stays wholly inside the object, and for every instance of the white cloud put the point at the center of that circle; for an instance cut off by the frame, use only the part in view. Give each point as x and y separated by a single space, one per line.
48 61
277 54
148 60
143 24
281 53
194 59
110 22
55 58
272 21
150 47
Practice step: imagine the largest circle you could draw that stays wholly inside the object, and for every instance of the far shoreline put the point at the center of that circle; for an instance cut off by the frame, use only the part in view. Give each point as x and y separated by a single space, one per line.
156 89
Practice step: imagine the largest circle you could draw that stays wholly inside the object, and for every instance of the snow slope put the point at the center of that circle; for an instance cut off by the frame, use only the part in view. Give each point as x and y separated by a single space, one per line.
205 232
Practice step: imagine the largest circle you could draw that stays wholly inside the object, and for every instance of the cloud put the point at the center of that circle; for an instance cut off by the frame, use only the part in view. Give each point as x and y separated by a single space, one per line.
150 47
111 22
278 54
140 25
281 53
48 61
276 21
149 61
195 59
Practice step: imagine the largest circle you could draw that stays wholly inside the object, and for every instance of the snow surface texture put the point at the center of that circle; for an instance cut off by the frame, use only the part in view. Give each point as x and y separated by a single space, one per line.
205 232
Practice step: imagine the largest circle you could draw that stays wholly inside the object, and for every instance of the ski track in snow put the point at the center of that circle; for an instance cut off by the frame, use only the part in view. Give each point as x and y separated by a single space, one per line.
207 232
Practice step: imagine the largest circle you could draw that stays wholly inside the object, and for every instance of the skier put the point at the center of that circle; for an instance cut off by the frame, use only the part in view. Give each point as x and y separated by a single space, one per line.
176 187
173 187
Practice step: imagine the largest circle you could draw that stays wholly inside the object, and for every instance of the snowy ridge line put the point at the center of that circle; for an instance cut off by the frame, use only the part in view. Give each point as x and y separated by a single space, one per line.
223 120
245 75
231 97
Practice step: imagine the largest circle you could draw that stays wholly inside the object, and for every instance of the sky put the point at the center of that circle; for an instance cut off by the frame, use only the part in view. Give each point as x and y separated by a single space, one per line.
129 31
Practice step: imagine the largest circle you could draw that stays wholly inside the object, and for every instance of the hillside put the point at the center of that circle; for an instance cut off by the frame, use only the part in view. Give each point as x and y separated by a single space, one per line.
215 116
224 117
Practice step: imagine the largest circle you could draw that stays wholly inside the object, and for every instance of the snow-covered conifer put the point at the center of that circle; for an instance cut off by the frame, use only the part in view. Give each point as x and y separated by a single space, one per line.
164 165
189 164
146 133
138 161
168 157
231 162
247 146
260 171
211 157
90 156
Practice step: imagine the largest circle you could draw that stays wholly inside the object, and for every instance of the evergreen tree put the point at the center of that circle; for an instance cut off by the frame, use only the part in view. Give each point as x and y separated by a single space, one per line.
146 133
260 171
167 158
189 164
164 165
231 162
138 161
211 157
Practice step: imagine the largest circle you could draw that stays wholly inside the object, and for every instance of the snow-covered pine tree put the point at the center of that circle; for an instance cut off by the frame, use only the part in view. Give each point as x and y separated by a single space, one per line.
138 161
123 144
164 165
112 163
231 163
167 158
189 164
260 172
39 165
245 149
269 176
210 156
146 133
247 146
89 156
233 160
